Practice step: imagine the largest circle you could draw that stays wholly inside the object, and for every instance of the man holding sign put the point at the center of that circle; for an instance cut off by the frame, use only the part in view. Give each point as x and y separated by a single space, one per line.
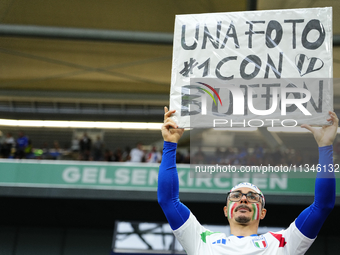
245 205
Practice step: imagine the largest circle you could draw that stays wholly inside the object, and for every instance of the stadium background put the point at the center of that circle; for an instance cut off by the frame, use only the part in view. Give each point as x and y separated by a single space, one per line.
113 79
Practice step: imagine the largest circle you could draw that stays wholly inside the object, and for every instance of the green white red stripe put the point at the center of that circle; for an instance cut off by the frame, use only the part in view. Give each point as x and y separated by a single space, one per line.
260 244
256 211
231 208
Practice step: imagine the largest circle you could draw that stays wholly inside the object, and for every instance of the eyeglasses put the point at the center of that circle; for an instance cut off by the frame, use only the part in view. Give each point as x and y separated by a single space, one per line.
236 196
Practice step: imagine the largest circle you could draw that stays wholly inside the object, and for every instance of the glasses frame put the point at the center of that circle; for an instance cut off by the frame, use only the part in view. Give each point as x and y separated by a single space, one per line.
245 194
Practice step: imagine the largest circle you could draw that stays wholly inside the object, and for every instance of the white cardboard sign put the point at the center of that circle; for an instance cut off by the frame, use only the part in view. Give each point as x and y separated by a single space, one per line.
258 68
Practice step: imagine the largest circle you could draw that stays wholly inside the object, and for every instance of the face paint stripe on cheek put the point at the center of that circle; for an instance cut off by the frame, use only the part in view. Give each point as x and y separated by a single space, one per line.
231 209
255 211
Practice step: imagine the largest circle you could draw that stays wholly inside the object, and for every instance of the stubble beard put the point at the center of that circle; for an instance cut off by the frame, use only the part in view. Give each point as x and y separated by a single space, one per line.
242 219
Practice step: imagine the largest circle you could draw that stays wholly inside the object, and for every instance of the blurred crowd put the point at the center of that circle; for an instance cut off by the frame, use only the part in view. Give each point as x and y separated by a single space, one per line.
246 155
84 148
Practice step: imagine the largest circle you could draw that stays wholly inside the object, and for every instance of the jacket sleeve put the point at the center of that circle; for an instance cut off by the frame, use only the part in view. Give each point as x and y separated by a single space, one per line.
310 221
168 188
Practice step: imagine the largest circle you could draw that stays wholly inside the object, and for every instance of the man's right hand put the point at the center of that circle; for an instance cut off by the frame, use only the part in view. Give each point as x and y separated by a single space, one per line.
170 130
325 135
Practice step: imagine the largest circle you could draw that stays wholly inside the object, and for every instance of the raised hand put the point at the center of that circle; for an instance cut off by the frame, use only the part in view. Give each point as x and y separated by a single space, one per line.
170 130
325 136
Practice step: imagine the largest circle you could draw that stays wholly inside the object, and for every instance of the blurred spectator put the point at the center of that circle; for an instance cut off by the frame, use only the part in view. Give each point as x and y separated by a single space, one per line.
7 146
228 156
126 154
55 152
85 145
98 148
118 155
243 155
108 155
277 156
21 144
137 154
217 157
29 150
154 156
56 145
258 151
199 157
75 144
186 159
45 149
179 157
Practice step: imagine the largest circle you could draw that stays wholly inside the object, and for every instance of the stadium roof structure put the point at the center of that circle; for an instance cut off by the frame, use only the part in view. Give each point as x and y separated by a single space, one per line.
82 60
